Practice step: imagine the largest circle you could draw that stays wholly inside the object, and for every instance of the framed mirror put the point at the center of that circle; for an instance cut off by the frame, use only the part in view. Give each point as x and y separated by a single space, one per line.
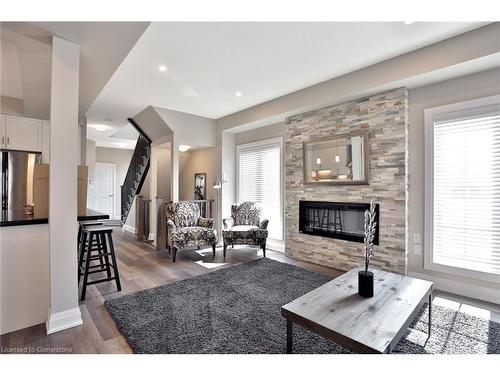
340 160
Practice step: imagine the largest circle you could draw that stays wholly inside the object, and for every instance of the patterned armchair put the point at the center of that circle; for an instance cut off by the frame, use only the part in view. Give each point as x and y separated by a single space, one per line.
186 228
245 227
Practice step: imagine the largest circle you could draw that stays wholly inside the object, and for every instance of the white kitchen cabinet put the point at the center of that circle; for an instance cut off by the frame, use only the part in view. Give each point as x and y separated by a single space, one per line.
2 131
45 142
22 134
25 275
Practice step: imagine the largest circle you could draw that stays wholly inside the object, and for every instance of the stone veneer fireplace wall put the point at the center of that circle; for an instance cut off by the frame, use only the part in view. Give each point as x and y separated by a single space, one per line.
385 116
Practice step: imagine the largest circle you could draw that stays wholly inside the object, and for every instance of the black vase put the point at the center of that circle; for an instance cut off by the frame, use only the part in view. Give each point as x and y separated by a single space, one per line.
365 284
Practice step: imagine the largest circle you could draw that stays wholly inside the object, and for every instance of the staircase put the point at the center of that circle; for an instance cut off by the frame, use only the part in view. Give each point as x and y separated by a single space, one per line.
136 174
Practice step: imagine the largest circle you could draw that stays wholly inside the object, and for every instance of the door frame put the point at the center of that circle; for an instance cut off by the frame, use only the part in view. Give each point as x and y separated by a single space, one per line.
113 201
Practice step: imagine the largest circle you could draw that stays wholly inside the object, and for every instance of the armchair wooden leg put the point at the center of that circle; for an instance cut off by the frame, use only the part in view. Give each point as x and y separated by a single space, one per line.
264 249
174 253
225 248
169 248
232 246
213 249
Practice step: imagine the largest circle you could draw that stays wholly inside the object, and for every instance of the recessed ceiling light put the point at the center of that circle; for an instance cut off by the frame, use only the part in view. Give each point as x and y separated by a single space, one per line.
100 127
162 68
184 148
238 94
409 22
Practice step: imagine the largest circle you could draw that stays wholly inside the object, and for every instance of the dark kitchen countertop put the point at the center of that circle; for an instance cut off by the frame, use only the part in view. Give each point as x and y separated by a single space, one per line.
15 217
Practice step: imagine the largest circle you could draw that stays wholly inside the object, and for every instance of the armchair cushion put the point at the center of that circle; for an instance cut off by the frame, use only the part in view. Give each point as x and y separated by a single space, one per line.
246 213
204 222
228 222
244 235
183 214
194 236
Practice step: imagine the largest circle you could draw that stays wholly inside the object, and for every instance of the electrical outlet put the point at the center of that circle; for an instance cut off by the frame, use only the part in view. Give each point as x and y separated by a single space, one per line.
417 238
417 249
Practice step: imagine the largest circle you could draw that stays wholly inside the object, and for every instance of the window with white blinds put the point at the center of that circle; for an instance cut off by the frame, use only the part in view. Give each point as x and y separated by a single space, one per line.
260 180
465 188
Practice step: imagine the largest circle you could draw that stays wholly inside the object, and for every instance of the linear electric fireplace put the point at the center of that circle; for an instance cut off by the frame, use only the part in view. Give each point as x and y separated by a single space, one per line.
344 221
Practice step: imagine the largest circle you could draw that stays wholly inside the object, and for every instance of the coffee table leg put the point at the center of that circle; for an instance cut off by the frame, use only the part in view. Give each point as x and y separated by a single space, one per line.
430 314
289 336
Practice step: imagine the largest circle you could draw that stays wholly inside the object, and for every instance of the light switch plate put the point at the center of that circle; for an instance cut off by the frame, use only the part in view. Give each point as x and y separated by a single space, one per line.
417 249
417 238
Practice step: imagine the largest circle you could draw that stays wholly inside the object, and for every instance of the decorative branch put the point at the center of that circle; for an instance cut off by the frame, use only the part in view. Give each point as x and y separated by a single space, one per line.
370 225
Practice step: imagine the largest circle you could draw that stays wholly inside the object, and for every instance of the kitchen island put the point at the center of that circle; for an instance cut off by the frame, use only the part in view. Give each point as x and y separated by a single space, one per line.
25 268
18 216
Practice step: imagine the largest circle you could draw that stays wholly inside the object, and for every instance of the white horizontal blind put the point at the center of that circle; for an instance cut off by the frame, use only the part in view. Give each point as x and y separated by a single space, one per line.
466 186
259 180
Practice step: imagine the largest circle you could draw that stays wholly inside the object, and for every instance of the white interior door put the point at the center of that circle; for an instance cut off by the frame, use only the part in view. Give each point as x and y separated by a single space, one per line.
104 188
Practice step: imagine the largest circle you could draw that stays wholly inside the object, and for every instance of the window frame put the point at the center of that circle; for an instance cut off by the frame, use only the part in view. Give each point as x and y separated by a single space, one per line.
429 115
257 144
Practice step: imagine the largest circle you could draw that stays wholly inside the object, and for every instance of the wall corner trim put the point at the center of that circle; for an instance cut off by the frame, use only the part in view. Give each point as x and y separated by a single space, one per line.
63 320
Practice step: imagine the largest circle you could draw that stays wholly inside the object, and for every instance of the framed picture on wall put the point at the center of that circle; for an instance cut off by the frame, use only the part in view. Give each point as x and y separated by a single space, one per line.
200 186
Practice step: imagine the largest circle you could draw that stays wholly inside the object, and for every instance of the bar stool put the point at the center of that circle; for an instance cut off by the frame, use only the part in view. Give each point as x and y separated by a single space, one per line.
82 241
85 223
102 237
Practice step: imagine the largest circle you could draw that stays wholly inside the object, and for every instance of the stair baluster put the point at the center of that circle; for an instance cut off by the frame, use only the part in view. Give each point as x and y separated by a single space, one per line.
136 174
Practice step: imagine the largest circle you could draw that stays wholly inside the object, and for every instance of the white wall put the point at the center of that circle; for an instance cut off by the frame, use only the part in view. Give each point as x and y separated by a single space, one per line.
121 159
189 129
228 158
25 73
259 134
452 91
446 59
90 154
64 157
163 166
11 106
198 161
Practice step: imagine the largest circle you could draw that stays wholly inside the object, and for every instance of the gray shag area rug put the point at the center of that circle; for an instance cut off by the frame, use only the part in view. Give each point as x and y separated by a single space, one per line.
237 310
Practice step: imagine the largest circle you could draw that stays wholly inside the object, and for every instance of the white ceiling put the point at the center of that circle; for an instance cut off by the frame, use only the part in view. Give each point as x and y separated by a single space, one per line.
26 71
103 46
208 62
114 136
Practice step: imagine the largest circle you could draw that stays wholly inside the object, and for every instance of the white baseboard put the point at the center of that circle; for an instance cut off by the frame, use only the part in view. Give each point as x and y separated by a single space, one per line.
129 229
63 320
481 293
275 245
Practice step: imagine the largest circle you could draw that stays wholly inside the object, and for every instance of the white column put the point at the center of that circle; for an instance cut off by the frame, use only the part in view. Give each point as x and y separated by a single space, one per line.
228 161
153 193
64 311
174 180
83 141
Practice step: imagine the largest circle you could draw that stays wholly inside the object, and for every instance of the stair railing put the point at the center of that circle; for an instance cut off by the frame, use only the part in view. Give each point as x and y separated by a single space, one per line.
136 174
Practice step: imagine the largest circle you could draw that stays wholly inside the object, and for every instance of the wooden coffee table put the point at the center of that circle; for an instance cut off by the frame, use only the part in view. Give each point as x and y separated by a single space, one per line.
363 325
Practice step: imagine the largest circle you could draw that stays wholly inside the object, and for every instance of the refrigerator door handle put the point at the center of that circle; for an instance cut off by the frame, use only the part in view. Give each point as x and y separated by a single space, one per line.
8 142
3 138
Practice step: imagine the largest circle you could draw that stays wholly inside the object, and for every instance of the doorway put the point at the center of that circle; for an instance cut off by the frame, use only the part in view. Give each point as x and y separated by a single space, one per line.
102 195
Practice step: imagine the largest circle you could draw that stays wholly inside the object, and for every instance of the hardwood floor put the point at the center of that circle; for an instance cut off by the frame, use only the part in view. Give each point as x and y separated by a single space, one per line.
141 267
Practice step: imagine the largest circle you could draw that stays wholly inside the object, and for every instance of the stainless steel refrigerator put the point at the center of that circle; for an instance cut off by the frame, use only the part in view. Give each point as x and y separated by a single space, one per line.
17 177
